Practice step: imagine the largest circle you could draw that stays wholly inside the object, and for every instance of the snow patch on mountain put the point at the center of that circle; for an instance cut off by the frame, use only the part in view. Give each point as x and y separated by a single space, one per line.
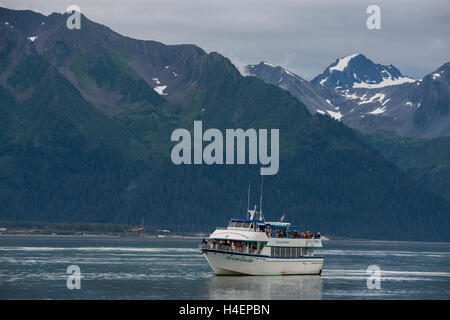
378 111
159 89
269 64
377 97
288 72
436 75
386 82
346 95
335 115
342 63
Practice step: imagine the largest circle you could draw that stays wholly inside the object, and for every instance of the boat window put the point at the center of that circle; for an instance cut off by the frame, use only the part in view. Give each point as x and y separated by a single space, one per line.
293 252
276 251
289 252
246 225
239 224
307 251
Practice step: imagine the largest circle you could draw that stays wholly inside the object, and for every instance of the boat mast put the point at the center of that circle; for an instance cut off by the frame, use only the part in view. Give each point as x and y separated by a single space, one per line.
248 200
260 199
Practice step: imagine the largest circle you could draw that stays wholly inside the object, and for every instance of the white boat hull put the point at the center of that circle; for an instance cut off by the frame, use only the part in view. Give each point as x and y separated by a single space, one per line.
230 263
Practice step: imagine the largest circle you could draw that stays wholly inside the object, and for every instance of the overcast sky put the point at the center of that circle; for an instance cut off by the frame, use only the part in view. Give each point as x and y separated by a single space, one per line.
303 36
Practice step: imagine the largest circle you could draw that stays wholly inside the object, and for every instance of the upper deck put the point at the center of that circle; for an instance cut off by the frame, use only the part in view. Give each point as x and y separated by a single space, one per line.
272 234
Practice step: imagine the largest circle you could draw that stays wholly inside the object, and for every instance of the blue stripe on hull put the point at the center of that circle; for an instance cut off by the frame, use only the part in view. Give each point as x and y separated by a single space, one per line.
258 255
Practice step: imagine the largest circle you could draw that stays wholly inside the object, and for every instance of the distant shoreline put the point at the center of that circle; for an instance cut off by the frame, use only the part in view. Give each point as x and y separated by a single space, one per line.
172 237
184 237
34 228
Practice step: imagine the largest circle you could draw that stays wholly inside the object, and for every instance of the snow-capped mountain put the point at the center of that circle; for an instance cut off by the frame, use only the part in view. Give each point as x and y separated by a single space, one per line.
356 71
419 108
370 97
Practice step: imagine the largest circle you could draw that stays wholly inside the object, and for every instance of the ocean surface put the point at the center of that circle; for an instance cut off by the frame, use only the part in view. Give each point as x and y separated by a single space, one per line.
34 267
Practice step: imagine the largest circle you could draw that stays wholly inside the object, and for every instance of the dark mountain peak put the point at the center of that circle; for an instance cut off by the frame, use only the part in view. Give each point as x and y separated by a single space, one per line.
314 98
437 80
267 64
357 71
433 100
102 63
251 69
21 18
25 21
268 70
442 73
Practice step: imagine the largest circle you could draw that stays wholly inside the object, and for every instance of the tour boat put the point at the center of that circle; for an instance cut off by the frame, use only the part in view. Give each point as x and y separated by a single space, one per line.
253 246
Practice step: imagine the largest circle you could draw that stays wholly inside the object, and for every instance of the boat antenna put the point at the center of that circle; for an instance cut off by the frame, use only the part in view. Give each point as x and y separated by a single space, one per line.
248 199
239 210
261 197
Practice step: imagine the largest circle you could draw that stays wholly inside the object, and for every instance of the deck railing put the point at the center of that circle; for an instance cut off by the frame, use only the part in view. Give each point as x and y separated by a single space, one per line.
224 247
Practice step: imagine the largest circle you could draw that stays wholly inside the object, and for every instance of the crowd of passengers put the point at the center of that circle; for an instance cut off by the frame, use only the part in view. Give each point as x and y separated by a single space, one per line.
243 246
293 234
231 245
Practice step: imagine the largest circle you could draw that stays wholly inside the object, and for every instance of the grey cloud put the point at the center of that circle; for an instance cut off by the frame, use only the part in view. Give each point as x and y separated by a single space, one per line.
303 36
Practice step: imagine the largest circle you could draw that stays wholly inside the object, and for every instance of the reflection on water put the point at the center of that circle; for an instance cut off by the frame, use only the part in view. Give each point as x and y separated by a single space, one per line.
265 287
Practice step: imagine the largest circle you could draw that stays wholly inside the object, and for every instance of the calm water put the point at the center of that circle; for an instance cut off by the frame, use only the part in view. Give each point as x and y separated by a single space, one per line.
34 267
